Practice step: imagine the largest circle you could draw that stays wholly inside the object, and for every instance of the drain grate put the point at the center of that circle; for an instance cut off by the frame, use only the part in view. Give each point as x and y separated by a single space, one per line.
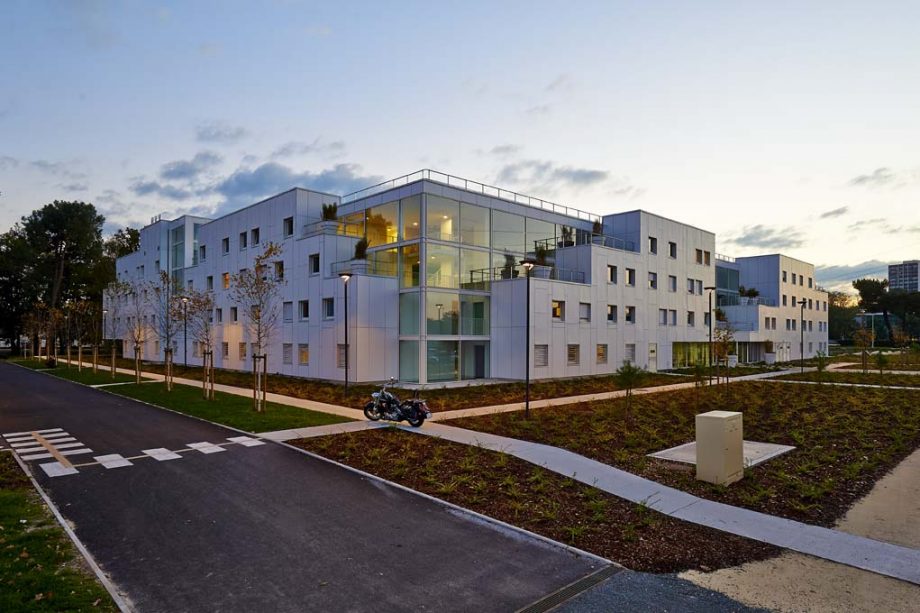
551 601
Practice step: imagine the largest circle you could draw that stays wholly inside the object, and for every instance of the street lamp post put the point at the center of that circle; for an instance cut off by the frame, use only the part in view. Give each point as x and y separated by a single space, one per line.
185 330
528 266
345 277
710 289
802 336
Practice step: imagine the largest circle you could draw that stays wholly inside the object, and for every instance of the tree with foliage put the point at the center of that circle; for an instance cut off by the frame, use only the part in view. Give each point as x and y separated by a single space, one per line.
723 343
627 377
872 294
841 315
257 292
19 288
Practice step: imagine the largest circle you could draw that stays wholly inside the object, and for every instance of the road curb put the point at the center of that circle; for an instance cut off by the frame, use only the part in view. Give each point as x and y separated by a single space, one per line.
120 600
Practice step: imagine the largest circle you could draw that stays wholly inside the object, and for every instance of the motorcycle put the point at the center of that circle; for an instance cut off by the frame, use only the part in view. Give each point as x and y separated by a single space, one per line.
385 405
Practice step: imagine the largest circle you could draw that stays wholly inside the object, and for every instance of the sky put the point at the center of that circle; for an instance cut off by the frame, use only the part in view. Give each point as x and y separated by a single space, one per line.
788 127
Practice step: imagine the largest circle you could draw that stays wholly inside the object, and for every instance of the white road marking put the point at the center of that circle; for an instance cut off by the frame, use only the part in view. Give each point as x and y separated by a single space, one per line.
29 433
41 456
113 460
246 441
32 441
205 447
56 469
161 454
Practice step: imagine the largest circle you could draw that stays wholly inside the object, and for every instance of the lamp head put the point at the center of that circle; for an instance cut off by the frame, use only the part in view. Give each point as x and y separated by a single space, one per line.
528 264
345 276
185 300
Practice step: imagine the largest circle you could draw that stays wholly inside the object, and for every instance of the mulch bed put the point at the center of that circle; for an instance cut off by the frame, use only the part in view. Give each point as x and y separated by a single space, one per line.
846 439
520 493
858 377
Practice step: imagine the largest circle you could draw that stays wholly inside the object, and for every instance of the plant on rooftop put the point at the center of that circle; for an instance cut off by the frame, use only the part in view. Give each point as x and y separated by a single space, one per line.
361 249
598 227
330 212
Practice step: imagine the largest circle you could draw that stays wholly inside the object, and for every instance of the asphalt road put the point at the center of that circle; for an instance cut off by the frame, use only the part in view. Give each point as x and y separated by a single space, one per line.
264 528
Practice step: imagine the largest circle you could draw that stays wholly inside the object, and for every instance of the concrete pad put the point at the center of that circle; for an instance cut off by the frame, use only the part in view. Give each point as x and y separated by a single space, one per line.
56 469
205 447
113 460
754 453
161 454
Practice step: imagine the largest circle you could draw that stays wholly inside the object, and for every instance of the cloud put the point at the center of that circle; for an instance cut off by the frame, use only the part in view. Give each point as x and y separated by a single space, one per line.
7 162
249 185
292 148
57 169
190 169
765 237
563 81
505 149
92 19
222 133
880 177
835 212
146 188
835 275
539 109
881 226
74 187
547 176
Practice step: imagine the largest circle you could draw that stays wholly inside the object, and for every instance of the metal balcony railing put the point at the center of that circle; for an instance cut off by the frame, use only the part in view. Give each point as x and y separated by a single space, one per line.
731 300
470 186
725 258
582 237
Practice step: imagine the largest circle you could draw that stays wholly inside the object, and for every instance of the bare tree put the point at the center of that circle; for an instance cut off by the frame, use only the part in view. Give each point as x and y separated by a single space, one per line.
165 300
723 343
114 297
137 309
80 313
256 291
199 310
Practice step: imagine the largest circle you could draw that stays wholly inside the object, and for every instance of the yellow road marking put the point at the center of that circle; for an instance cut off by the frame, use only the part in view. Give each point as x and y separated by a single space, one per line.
52 450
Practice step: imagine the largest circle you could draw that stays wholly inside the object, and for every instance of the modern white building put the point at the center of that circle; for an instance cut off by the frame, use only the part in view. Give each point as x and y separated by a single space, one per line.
442 294
904 276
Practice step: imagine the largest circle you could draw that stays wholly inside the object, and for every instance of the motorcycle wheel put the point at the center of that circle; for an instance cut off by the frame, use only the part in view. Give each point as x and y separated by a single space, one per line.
370 411
416 422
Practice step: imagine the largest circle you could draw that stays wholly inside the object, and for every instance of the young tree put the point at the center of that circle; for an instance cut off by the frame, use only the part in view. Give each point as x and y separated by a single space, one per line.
256 291
137 307
165 302
723 343
821 365
114 297
198 313
628 377
862 338
81 313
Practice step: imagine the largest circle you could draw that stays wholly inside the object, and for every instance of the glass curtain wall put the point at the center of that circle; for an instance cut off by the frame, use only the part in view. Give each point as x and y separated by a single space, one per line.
410 212
382 224
443 219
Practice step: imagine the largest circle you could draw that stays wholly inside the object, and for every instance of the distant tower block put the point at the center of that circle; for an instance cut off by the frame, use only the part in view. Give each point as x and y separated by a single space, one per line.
719 447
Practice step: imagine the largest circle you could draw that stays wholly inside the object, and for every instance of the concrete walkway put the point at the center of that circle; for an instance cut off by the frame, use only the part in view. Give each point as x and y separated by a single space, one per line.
841 384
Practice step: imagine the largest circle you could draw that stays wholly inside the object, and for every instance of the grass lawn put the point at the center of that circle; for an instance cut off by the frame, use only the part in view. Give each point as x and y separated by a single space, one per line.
227 409
40 569
846 439
849 376
520 493
438 399
30 363
71 373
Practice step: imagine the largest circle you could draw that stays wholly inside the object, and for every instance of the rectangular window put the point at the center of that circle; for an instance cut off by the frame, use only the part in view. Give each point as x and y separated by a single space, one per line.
630 314
328 308
242 240
602 354
773 323
672 250
303 307
191 284
303 354
540 355
689 286
559 310
225 280
314 264
630 354
672 315
652 245
242 351
691 319
707 258
612 313
794 303
784 300
706 319
202 253
672 283
766 323
255 236
279 271
611 274
287 311
631 277
662 317
584 311
288 227
793 278
810 328
784 276
793 324
340 353
699 256
699 287
572 354
234 314
287 353
653 280
788 324
220 315
225 245
225 350
209 283
801 279
809 304
810 282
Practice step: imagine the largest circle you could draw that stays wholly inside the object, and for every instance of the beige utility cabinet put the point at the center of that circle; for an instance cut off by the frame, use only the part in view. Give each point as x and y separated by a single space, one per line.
719 447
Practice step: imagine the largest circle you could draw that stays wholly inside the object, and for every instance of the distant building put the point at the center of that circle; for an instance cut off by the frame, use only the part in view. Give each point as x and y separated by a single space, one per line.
905 275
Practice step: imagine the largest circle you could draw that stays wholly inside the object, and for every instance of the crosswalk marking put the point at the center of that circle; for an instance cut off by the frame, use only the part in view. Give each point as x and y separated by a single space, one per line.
205 447
112 460
31 432
56 469
161 454
246 441
55 454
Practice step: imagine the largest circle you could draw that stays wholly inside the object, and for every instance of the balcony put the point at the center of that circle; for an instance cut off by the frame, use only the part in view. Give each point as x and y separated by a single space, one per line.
582 237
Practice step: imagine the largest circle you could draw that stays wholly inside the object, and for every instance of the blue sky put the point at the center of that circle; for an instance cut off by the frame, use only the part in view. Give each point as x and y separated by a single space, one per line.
781 126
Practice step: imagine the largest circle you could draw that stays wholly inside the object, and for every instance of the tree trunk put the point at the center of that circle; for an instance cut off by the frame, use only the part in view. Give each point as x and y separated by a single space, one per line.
113 359
80 357
137 365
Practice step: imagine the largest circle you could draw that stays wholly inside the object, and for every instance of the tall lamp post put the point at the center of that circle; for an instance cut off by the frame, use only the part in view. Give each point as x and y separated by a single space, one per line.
345 277
185 330
802 335
528 265
710 289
